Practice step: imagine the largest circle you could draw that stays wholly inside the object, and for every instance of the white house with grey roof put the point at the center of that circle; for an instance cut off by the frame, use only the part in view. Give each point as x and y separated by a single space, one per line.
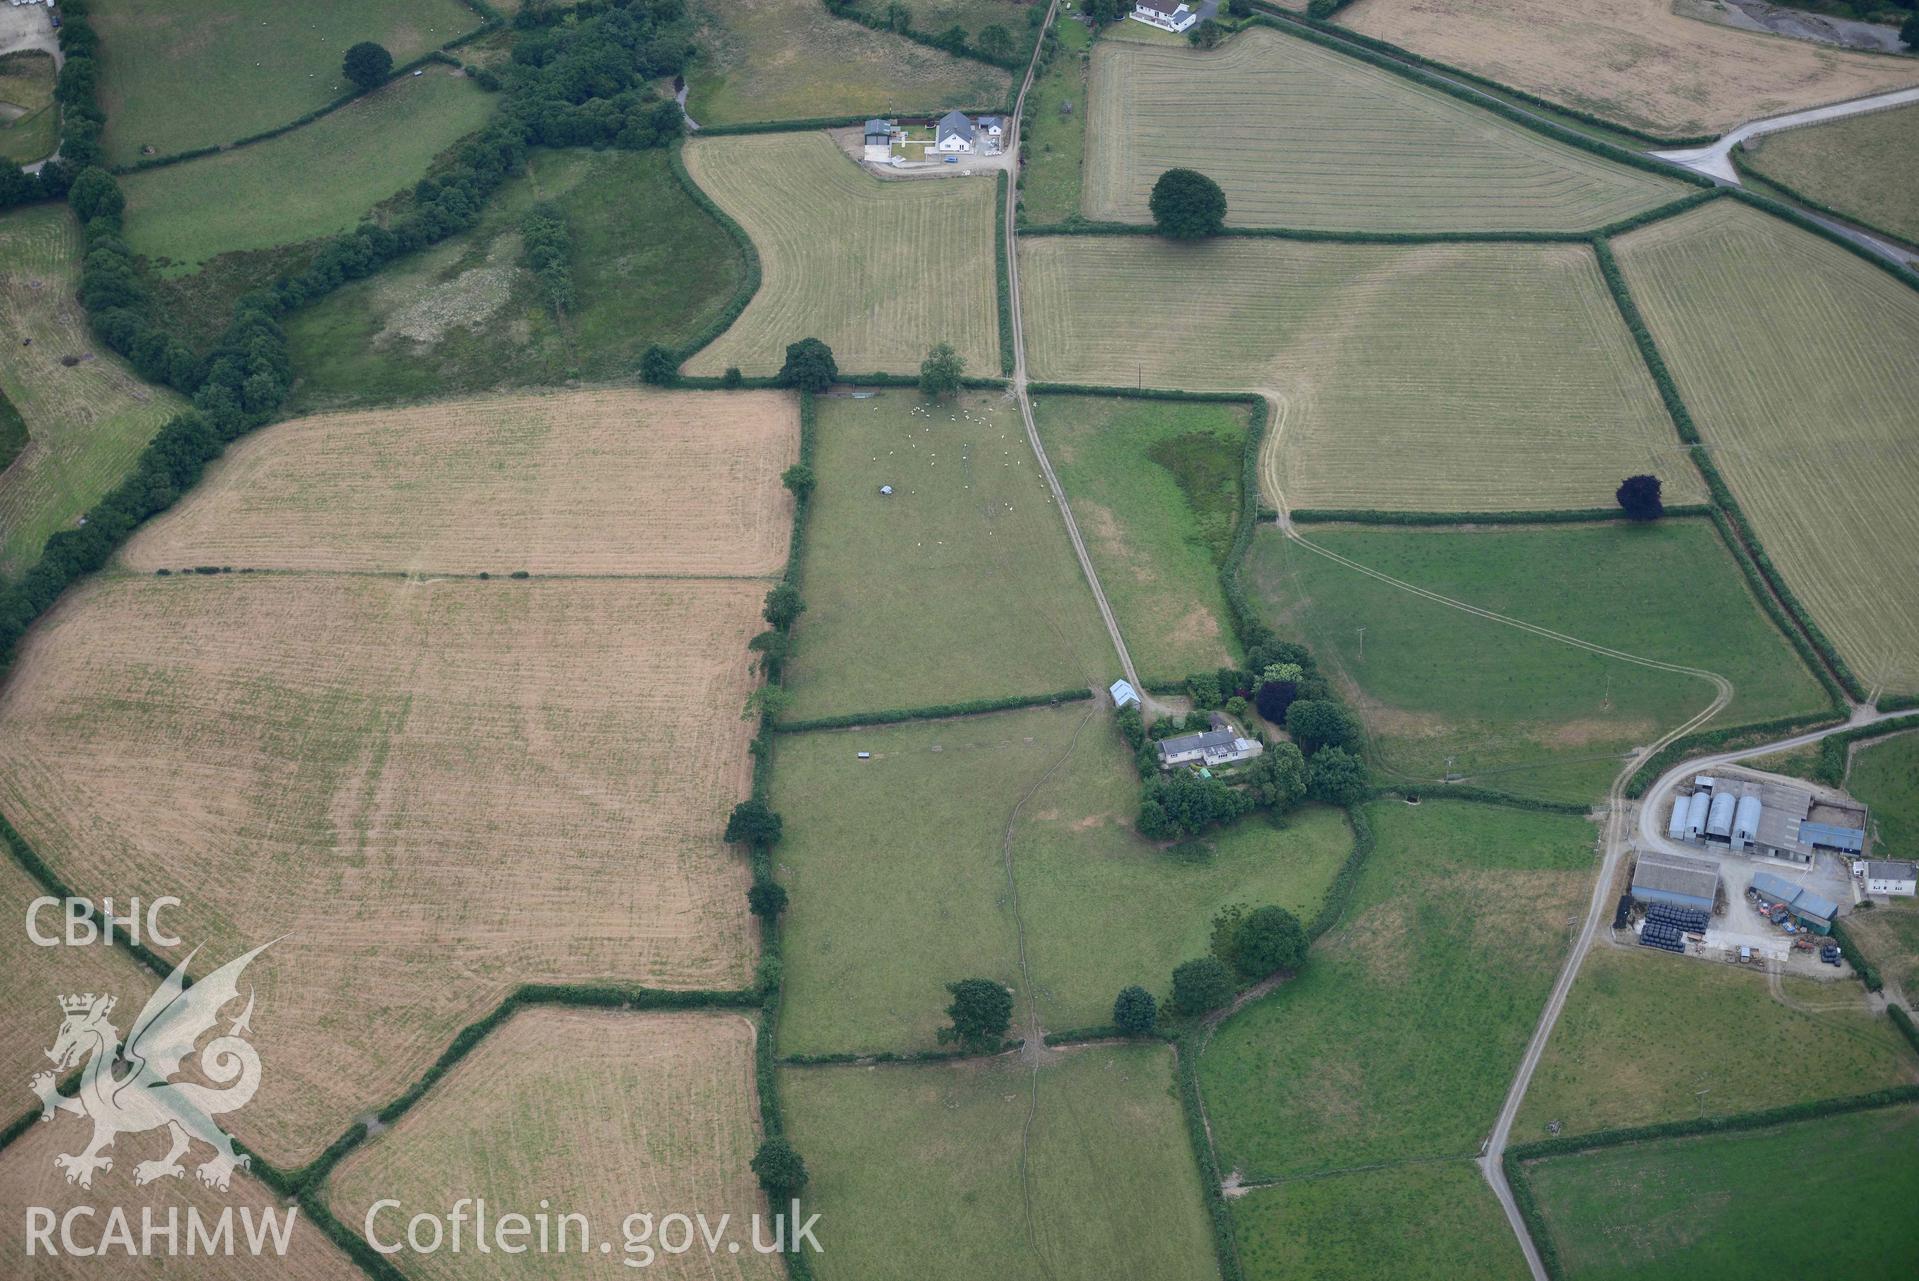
1891 876
1211 748
1167 15
954 133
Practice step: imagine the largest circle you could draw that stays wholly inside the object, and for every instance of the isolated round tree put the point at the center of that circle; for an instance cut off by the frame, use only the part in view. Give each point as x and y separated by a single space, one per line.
809 366
980 1011
1187 205
1134 1012
367 64
1639 498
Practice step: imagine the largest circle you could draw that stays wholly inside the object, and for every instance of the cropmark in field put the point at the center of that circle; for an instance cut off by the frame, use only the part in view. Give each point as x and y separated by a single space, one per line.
1639 63
1081 1171
878 270
1430 377
593 1113
87 421
1806 406
1299 136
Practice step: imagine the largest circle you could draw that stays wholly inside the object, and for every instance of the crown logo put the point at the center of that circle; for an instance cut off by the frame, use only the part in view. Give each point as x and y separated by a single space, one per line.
79 1004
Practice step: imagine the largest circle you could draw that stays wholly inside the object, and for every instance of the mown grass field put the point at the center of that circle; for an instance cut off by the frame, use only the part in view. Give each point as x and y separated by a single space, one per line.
1889 936
84 423
1300 136
1053 147
1155 487
959 585
1885 775
878 270
580 1109
897 867
26 85
1633 62
1866 167
924 1163
791 60
585 482
1399 1038
1429 377
1745 1046
1826 341
176 75
1713 1208
312 182
1436 1221
1441 690
649 266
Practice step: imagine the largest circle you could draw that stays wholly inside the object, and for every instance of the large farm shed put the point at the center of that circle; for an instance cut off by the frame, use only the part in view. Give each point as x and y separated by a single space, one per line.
1813 911
1676 880
1767 818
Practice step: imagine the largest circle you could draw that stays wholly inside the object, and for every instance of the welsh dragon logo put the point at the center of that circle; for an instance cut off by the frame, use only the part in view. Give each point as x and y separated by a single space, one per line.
129 1088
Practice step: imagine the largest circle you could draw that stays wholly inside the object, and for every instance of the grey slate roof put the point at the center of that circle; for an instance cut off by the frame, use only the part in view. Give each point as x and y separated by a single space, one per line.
1676 874
953 123
1197 742
1896 869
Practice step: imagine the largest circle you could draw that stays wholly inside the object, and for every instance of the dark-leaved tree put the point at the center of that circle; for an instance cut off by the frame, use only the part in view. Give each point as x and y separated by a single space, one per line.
780 1170
1270 939
783 606
809 366
980 1011
1319 722
1272 699
798 479
766 899
1337 777
1202 986
1639 498
367 64
753 822
1134 1013
1187 205
940 372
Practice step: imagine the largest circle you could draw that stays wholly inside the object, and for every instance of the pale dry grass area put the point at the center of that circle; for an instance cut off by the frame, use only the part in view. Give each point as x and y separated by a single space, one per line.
86 422
28 1177
1794 357
587 482
600 1113
428 792
1432 377
1633 62
1300 136
878 270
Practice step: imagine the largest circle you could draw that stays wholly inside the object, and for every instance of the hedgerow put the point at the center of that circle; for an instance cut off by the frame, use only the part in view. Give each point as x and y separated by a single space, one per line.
1225 1243
1728 738
1563 516
937 711
1861 964
1005 280
1013 60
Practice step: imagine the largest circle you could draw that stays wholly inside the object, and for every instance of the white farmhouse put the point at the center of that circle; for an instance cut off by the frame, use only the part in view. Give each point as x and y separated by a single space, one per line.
1167 15
954 133
1892 876
1211 748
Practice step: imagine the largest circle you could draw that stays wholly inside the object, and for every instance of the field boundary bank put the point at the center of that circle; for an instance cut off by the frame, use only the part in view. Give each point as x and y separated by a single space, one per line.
936 712
1515 1159
1005 279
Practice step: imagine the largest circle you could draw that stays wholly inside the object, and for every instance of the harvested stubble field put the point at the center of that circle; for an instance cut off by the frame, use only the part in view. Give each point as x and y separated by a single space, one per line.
1398 1039
1634 62
1443 691
591 482
792 60
1079 1172
1438 1222
600 1113
1889 936
86 423
434 790
28 1177
897 867
1155 488
959 585
1746 1045
1458 377
1709 1207
181 74
1300 136
1866 167
315 181
878 270
1793 356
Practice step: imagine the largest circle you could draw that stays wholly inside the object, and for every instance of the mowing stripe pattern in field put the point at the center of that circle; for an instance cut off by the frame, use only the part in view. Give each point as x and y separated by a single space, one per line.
592 1112
86 422
606 482
1430 377
1299 136
880 271
1866 167
1794 356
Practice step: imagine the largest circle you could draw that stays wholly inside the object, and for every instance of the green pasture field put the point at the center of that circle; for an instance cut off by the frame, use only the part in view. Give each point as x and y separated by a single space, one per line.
897 868
648 264
1449 377
1827 340
13 432
1885 775
1399 1038
937 17
879 270
1053 147
1442 690
1828 1197
1864 166
1889 935
1155 488
1301 136
792 60
959 585
26 84
1737 1045
175 76
1437 1221
314 181
941 1171
78 427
